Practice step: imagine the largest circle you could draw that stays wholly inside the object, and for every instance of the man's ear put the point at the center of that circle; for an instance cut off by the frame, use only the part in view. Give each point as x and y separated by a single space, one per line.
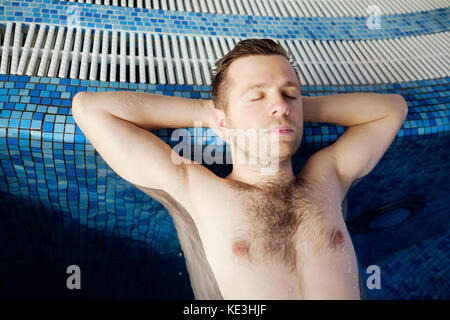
221 125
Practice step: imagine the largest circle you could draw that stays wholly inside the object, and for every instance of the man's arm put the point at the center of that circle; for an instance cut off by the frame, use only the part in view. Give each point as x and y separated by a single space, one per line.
373 121
149 111
117 124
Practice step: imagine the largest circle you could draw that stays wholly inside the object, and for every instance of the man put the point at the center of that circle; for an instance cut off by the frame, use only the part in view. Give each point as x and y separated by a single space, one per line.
261 232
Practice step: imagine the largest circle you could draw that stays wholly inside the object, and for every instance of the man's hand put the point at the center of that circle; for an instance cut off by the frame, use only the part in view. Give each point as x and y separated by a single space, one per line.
349 109
209 107
372 120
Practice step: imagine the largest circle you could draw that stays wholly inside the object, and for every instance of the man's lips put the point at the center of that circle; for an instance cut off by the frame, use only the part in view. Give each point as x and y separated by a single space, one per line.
281 130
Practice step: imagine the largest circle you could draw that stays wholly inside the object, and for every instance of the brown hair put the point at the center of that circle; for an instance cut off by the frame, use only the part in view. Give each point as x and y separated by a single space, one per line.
220 82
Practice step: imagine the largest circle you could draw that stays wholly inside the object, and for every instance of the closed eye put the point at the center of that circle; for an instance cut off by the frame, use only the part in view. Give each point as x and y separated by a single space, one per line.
289 97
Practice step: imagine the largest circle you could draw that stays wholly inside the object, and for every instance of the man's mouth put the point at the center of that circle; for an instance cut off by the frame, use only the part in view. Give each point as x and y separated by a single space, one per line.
282 130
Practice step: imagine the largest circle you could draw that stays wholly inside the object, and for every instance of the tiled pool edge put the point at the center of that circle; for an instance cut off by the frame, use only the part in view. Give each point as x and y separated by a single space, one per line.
35 104
246 26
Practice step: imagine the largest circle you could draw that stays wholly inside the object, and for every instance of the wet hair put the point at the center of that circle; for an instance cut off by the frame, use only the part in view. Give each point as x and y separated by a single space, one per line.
220 82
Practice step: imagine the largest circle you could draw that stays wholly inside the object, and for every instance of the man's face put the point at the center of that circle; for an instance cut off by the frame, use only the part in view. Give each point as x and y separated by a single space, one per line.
265 94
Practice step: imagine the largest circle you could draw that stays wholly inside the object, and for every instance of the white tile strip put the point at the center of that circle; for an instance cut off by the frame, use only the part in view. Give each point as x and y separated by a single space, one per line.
179 59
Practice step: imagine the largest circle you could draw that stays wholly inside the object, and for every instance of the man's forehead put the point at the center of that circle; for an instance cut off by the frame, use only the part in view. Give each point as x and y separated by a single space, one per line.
263 84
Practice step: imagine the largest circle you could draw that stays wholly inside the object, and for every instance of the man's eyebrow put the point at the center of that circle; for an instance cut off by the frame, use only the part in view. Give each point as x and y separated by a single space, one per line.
264 85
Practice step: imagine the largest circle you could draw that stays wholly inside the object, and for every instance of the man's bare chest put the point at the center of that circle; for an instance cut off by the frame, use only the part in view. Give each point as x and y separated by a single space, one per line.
259 227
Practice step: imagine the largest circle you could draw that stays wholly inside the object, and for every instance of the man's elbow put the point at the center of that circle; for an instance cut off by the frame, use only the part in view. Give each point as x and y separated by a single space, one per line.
78 103
401 105
77 99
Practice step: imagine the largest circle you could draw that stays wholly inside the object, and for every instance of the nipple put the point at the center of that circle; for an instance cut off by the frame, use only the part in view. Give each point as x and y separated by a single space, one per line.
338 238
240 248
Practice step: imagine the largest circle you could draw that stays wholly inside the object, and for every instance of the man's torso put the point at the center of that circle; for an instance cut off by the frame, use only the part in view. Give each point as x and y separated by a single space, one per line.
265 242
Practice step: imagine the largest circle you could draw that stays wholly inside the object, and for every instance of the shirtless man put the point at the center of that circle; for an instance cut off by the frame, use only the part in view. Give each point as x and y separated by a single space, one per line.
251 235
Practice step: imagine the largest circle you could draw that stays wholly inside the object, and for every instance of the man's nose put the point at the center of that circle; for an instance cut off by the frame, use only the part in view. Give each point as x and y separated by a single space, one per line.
278 105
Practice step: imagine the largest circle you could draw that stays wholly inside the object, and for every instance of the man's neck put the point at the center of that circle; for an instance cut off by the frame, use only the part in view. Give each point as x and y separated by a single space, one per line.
253 174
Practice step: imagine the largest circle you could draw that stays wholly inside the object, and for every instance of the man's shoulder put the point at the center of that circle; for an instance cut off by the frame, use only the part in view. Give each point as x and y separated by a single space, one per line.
319 171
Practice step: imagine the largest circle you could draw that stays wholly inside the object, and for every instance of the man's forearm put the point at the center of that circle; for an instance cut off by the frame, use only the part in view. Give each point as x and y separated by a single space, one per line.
149 111
350 109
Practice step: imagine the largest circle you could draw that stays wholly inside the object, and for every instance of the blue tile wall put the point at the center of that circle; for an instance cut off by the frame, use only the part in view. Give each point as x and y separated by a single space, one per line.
422 279
42 108
245 26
